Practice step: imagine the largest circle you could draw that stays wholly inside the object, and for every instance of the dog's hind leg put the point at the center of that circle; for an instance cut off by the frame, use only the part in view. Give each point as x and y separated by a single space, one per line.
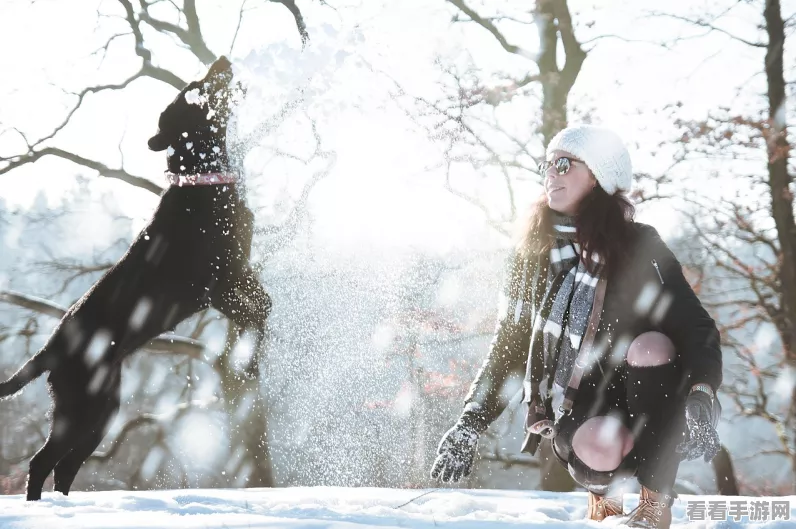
68 467
245 302
58 444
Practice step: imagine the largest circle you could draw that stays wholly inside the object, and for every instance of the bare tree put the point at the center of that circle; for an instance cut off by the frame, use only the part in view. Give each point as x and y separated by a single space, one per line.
467 119
748 240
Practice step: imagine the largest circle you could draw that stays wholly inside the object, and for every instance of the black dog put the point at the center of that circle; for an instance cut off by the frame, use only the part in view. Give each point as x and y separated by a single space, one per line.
193 254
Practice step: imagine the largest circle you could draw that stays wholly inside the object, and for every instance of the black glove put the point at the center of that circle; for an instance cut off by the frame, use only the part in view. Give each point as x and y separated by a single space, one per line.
702 414
458 448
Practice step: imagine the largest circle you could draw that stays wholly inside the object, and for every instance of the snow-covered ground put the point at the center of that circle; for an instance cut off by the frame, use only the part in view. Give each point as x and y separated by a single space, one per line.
336 507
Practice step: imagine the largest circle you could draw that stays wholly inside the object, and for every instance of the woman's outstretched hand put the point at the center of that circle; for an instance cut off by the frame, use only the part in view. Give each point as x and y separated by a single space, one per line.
458 448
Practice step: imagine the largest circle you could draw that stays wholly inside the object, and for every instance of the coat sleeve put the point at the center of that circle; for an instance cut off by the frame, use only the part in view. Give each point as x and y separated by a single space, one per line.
684 320
508 350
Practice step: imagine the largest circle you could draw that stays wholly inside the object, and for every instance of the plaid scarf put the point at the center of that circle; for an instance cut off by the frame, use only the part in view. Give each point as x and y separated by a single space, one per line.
565 308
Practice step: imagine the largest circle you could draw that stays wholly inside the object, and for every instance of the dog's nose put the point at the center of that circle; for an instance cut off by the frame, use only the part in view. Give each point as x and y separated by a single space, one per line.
222 64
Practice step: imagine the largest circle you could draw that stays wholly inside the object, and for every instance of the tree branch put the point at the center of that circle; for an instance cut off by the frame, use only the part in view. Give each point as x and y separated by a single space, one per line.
572 50
140 49
119 174
75 271
161 74
474 202
146 419
708 25
237 28
190 36
285 232
80 97
300 24
165 343
453 111
490 27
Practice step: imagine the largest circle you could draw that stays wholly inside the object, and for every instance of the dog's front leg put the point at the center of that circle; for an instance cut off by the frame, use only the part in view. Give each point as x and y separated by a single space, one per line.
248 305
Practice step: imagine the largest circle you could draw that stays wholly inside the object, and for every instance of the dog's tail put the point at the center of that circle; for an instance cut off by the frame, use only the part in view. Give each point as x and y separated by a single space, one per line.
32 370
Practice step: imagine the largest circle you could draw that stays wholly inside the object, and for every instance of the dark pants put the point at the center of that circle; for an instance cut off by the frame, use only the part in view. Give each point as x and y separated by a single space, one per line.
650 402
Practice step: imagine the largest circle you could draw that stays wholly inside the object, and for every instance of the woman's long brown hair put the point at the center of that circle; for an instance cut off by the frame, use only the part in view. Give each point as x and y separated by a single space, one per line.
602 224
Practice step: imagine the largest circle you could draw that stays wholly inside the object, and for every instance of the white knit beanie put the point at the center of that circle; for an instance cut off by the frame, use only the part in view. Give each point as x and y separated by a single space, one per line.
603 152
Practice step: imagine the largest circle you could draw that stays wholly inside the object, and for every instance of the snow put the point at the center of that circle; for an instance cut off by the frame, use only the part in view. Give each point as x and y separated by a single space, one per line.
193 97
336 507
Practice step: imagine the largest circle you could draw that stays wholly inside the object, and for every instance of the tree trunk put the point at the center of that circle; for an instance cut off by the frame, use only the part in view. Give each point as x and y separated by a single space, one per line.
553 18
778 178
247 414
779 183
725 474
554 104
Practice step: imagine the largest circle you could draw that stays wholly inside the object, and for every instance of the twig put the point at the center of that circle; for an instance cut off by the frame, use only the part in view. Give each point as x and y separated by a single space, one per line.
417 498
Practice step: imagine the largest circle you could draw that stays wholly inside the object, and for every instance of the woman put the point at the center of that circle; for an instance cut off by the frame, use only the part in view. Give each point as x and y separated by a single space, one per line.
620 362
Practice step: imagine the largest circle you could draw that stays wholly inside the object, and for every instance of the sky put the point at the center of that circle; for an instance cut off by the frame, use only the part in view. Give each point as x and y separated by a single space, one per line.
385 186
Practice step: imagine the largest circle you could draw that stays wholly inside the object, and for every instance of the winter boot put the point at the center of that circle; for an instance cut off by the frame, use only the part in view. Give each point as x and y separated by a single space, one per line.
654 511
601 507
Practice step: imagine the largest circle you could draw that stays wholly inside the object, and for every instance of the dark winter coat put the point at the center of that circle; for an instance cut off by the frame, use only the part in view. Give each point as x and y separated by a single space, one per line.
647 293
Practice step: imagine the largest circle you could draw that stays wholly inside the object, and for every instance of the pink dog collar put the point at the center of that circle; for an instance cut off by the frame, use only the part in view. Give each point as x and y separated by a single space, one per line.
204 179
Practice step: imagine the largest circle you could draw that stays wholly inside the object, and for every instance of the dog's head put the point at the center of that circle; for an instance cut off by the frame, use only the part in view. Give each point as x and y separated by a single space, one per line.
194 126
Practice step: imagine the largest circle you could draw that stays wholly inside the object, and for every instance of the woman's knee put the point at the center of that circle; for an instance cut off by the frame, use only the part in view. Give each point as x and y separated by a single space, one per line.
651 349
602 443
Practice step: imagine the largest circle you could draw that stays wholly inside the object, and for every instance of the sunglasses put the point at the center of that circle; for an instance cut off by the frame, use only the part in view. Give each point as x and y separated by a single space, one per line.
562 165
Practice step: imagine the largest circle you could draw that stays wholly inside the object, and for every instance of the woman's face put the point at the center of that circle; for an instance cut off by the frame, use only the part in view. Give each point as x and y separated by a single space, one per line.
565 192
